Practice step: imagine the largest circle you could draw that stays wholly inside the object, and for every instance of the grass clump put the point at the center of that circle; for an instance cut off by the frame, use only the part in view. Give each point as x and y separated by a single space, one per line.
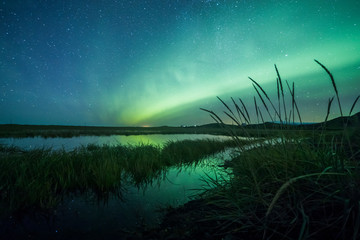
41 178
297 186
304 193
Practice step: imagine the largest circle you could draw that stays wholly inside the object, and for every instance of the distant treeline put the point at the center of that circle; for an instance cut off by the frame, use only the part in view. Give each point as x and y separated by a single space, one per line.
16 130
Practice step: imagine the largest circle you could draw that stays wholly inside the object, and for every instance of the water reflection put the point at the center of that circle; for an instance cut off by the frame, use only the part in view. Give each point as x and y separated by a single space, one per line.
83 216
69 144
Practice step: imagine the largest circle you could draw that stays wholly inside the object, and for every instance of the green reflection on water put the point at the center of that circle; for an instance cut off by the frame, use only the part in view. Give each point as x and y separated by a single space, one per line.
141 205
161 139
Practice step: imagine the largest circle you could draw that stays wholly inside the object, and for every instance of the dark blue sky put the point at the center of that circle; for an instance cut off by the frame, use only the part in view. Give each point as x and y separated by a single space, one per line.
157 62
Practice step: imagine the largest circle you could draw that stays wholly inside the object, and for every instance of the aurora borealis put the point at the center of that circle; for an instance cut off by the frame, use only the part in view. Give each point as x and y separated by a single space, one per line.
156 62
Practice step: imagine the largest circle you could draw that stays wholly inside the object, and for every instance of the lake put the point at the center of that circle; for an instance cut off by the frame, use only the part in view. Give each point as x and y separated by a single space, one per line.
85 216
69 144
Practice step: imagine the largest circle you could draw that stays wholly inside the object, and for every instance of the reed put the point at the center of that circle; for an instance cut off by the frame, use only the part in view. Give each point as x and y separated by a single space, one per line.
301 187
239 112
282 93
267 97
353 105
257 110
292 92
262 100
246 111
333 83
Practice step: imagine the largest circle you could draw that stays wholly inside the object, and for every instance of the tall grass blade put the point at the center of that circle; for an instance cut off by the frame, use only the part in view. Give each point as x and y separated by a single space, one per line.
328 109
278 97
213 114
261 116
293 100
217 121
351 109
353 105
305 224
262 100
232 118
237 109
282 91
290 112
333 83
241 112
247 113
265 94
228 108
292 92
257 111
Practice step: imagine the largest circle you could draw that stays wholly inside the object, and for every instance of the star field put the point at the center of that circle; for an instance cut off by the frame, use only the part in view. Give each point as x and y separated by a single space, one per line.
135 63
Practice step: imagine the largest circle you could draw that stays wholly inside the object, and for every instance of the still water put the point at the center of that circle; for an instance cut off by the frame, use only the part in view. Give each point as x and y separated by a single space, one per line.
140 207
83 217
69 144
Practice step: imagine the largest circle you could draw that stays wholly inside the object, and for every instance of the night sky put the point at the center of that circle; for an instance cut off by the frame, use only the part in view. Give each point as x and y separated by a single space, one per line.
156 62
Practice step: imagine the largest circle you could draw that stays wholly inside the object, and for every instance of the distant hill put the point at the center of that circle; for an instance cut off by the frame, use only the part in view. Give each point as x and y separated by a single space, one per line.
353 121
15 130
212 125
336 123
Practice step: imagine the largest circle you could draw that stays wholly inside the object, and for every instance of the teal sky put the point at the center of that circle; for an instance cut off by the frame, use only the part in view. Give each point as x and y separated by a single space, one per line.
151 63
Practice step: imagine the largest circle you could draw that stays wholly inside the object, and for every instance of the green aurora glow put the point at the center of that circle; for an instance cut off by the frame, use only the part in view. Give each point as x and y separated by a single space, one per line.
174 57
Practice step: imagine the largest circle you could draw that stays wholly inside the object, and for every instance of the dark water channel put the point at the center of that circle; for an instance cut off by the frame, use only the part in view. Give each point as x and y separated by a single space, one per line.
138 208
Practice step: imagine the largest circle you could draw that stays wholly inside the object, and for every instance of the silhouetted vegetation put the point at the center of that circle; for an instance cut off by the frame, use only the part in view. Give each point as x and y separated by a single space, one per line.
298 186
302 182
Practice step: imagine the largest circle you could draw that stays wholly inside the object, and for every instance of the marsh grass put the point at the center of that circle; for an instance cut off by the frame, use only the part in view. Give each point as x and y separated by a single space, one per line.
41 178
299 186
